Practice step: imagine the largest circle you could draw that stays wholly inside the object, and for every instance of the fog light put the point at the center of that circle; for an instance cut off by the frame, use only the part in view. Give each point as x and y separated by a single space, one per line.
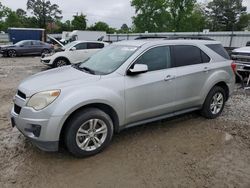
35 129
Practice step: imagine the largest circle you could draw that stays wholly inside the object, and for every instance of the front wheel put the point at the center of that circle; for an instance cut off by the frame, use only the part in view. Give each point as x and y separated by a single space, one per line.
214 103
12 53
88 132
60 62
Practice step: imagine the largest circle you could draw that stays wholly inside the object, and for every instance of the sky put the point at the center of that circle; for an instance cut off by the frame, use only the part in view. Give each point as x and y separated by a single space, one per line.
113 12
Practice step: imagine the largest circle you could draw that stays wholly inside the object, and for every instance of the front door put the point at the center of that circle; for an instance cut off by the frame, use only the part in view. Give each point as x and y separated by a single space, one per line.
151 94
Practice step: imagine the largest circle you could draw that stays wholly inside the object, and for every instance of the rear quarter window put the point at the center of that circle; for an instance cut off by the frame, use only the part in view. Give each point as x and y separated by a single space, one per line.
218 48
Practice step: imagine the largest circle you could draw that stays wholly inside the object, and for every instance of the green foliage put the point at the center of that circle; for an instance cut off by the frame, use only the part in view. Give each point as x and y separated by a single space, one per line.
181 11
101 26
44 11
79 22
151 15
167 15
226 15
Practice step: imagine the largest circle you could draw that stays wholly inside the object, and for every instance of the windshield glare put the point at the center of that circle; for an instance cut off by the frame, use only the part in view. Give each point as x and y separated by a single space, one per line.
108 59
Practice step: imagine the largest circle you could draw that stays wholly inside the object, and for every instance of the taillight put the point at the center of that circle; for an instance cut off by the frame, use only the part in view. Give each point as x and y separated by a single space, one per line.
234 66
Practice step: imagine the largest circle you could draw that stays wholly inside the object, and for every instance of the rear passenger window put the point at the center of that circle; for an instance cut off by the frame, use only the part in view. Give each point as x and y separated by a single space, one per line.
81 46
156 58
95 45
188 55
218 48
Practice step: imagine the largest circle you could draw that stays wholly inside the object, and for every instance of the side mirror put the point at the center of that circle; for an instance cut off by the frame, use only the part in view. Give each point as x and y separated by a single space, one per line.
138 69
73 49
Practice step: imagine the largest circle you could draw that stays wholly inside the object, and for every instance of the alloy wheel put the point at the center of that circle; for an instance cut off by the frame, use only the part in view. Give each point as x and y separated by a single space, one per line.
91 134
217 103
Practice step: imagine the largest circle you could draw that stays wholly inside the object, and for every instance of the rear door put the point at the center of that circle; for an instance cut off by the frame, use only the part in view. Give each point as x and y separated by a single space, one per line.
37 47
192 71
151 94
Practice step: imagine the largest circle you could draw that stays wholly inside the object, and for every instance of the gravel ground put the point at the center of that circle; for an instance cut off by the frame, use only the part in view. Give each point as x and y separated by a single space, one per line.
186 151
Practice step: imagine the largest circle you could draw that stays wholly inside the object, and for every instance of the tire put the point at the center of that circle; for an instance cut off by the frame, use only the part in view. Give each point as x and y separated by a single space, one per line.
212 106
12 53
60 62
81 140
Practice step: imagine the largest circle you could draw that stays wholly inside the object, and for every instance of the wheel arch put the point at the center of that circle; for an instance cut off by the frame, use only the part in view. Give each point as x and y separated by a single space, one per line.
61 57
221 84
101 106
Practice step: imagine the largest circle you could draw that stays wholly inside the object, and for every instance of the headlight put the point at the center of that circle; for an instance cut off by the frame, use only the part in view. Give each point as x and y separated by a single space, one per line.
42 99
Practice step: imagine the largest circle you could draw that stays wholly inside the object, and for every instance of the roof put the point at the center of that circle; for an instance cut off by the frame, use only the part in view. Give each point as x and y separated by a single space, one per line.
139 43
16 28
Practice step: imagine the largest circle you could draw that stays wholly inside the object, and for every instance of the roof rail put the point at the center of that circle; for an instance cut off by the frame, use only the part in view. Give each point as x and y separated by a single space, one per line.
150 37
188 37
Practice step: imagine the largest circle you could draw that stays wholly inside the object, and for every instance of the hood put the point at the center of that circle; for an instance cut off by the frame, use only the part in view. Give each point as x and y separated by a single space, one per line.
56 79
242 50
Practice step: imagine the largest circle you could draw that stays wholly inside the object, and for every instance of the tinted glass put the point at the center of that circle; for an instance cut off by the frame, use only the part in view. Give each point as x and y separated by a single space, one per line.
156 58
187 55
205 57
218 48
27 43
95 45
36 43
81 46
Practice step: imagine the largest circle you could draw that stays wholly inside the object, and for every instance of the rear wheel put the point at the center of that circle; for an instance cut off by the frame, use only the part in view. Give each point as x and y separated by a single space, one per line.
60 62
214 103
88 132
12 53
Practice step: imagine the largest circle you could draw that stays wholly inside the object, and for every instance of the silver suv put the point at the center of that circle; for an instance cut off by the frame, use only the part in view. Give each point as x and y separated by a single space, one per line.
125 84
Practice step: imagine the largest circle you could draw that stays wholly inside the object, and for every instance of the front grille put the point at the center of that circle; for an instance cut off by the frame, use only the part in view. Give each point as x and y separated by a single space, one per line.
21 94
241 59
241 53
17 109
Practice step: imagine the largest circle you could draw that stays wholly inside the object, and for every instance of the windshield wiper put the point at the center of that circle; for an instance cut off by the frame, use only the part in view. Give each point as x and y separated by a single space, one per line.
86 69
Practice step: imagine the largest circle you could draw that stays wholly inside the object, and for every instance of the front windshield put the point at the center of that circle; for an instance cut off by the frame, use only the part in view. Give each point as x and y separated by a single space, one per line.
108 59
67 46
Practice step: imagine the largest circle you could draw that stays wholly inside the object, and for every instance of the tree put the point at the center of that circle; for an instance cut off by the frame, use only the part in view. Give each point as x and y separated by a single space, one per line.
162 15
180 11
225 15
151 15
44 11
102 26
124 28
196 21
79 22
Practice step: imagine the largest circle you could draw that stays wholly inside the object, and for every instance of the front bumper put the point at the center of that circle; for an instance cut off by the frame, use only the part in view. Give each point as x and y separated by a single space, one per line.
38 131
40 127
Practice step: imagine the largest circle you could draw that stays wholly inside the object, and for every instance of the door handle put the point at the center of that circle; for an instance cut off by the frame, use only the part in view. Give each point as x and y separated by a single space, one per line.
169 78
206 69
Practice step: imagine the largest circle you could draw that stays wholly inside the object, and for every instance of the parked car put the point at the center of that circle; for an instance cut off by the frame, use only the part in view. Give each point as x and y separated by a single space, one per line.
125 84
26 47
242 56
72 53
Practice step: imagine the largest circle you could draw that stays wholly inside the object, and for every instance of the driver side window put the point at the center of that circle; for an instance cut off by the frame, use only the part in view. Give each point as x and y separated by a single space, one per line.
157 58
